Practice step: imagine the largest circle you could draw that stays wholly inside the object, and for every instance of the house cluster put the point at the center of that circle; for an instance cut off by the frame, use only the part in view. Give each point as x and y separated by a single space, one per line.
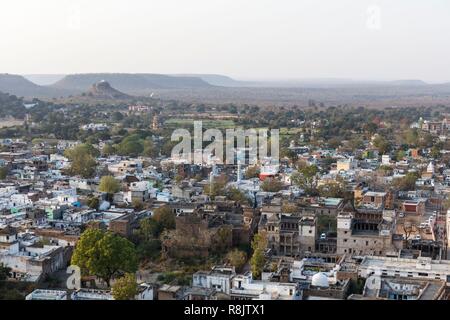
364 225
95 127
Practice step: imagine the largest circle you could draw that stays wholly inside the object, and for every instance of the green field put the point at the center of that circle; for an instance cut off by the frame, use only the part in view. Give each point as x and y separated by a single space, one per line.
206 123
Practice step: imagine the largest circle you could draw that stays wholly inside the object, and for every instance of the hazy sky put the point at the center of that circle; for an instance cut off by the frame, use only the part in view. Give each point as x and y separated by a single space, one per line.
247 39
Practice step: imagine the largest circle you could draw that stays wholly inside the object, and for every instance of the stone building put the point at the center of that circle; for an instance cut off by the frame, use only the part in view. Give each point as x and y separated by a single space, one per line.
364 232
289 234
209 227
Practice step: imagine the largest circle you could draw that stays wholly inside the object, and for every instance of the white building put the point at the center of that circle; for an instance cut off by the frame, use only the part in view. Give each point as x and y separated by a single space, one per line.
421 268
42 294
244 287
95 127
219 278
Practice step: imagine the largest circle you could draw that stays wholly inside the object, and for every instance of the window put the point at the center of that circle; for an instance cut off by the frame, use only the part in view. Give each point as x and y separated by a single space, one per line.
367 243
345 240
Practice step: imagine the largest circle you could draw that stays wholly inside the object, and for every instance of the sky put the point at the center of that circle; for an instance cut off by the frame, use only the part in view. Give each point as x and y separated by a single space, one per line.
245 39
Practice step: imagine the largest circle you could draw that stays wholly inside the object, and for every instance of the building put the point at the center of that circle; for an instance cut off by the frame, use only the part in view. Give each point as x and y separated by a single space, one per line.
42 294
374 199
168 292
245 288
347 164
398 288
289 235
91 294
413 207
421 268
218 278
364 232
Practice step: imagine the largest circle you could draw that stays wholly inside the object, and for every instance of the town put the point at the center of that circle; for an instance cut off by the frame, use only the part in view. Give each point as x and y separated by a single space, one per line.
224 159
354 208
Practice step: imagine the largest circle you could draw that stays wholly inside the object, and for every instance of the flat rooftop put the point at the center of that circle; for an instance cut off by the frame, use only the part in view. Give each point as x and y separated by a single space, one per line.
440 267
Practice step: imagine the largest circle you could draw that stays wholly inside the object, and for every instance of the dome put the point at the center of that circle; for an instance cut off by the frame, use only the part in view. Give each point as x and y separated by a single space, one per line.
104 205
320 279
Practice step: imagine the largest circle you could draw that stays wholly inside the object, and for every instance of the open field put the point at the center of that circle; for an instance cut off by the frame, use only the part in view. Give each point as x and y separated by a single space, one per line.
207 123
6 123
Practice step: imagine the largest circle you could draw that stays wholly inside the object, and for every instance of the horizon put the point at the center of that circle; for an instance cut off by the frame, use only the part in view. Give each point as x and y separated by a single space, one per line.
258 40
244 79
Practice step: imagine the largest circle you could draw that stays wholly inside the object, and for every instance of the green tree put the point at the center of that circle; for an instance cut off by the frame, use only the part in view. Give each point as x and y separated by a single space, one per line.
333 189
411 137
252 172
400 155
82 148
258 260
425 140
165 217
436 151
109 149
4 272
235 194
306 179
109 185
149 148
3 172
137 204
382 144
356 143
271 185
104 254
149 245
217 188
93 202
237 258
131 146
125 288
149 229
221 240
82 160
406 183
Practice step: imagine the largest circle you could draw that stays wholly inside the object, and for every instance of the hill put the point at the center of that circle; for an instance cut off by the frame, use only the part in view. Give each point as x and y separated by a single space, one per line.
19 86
140 83
218 80
44 79
11 106
103 90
